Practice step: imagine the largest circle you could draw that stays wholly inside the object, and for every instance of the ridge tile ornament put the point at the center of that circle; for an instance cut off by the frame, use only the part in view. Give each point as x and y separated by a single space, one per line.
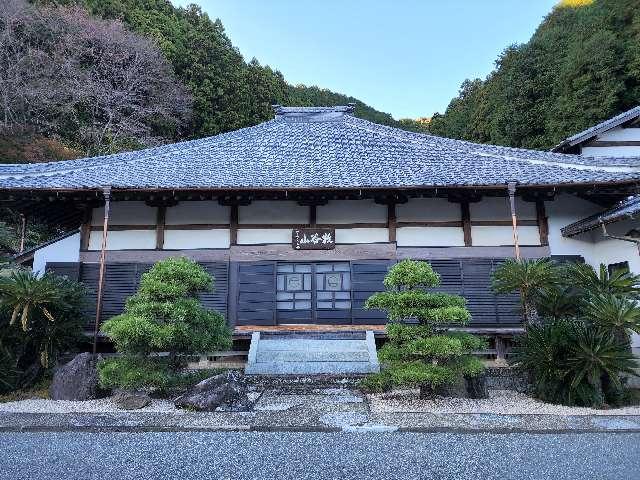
313 239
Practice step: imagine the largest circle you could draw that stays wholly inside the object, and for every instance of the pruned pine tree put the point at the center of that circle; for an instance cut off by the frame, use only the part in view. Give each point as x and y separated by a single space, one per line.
422 350
165 315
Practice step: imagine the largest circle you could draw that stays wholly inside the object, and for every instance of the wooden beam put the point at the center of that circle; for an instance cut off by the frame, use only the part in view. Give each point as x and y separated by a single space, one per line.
233 225
543 222
466 223
614 143
103 252
160 225
313 215
392 221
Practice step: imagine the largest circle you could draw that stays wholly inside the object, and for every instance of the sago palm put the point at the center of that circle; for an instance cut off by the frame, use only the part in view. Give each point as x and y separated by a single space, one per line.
620 282
531 278
614 314
595 355
24 293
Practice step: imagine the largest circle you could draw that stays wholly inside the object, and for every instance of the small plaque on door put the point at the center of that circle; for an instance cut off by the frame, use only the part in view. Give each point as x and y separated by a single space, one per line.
314 239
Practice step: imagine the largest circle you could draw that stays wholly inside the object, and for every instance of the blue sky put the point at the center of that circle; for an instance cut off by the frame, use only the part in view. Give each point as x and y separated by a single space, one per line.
405 57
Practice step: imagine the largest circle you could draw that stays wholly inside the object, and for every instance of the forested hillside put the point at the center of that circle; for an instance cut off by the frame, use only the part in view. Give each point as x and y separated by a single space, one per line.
581 66
99 76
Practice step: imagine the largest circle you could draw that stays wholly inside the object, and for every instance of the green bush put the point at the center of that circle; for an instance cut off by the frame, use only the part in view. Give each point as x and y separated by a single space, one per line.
49 322
579 347
426 354
573 363
163 316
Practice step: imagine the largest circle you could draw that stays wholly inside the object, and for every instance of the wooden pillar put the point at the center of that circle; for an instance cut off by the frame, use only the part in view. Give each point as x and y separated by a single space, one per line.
85 229
466 223
160 223
313 215
543 222
514 219
103 251
23 231
233 225
392 222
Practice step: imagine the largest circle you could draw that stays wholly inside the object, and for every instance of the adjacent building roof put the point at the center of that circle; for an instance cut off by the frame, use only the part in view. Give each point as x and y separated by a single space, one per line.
629 208
598 129
319 148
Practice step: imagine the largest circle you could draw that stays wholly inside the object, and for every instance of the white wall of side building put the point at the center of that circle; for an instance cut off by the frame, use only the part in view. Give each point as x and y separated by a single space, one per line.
615 135
64 250
595 249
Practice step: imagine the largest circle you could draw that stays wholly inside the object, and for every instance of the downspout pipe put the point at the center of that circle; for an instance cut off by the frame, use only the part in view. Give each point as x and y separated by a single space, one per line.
511 188
106 192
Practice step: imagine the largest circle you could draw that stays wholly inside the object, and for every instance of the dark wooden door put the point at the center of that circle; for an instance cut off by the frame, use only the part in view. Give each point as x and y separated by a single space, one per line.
313 293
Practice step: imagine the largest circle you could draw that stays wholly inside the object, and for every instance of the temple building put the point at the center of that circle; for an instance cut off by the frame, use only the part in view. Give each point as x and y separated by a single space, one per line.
299 218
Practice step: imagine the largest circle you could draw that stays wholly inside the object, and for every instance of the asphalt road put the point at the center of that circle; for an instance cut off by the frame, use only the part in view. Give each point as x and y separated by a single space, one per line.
318 456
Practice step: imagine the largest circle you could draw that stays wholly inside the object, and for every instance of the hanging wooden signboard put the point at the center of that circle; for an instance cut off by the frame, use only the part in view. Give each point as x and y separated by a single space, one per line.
313 239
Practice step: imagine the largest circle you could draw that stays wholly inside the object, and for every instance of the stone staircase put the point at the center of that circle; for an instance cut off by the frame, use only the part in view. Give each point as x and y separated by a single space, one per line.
338 353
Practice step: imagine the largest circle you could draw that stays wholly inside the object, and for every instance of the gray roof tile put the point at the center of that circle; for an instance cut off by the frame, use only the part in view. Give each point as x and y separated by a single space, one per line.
319 147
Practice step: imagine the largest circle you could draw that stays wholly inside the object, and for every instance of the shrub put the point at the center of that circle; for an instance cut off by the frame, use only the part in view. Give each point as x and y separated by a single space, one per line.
163 316
573 363
530 278
31 342
427 354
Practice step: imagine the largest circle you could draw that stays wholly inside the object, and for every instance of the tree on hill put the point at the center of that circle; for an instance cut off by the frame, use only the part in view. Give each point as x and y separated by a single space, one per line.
228 92
91 82
581 66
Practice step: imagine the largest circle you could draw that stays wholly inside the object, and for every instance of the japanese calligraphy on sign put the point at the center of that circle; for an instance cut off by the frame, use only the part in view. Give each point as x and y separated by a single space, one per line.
314 239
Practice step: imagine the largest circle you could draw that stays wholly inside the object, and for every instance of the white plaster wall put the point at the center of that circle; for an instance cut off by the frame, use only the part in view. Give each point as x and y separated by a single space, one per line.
197 213
362 235
620 134
503 235
428 210
65 250
259 236
351 211
430 237
567 209
190 239
611 151
126 213
273 212
616 135
497 208
124 240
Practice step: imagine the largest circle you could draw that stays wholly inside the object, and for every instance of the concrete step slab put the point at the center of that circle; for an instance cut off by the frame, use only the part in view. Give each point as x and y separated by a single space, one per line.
312 356
297 355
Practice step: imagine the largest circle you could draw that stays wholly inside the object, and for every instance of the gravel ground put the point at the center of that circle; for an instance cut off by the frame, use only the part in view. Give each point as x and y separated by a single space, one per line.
405 401
103 405
500 402
318 456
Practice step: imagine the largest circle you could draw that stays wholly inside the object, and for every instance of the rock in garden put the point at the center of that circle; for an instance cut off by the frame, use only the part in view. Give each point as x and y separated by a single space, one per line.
76 380
477 386
130 400
226 392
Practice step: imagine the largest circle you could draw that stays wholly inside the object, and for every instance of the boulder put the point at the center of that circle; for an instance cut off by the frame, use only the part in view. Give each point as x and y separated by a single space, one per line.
477 386
130 400
77 380
226 392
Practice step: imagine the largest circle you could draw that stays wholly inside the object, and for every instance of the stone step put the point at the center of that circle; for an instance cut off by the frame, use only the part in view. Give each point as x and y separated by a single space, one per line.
311 345
316 355
313 355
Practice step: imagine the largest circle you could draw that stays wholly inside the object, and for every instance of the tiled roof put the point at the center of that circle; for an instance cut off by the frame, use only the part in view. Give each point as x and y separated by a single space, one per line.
598 129
319 147
630 208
